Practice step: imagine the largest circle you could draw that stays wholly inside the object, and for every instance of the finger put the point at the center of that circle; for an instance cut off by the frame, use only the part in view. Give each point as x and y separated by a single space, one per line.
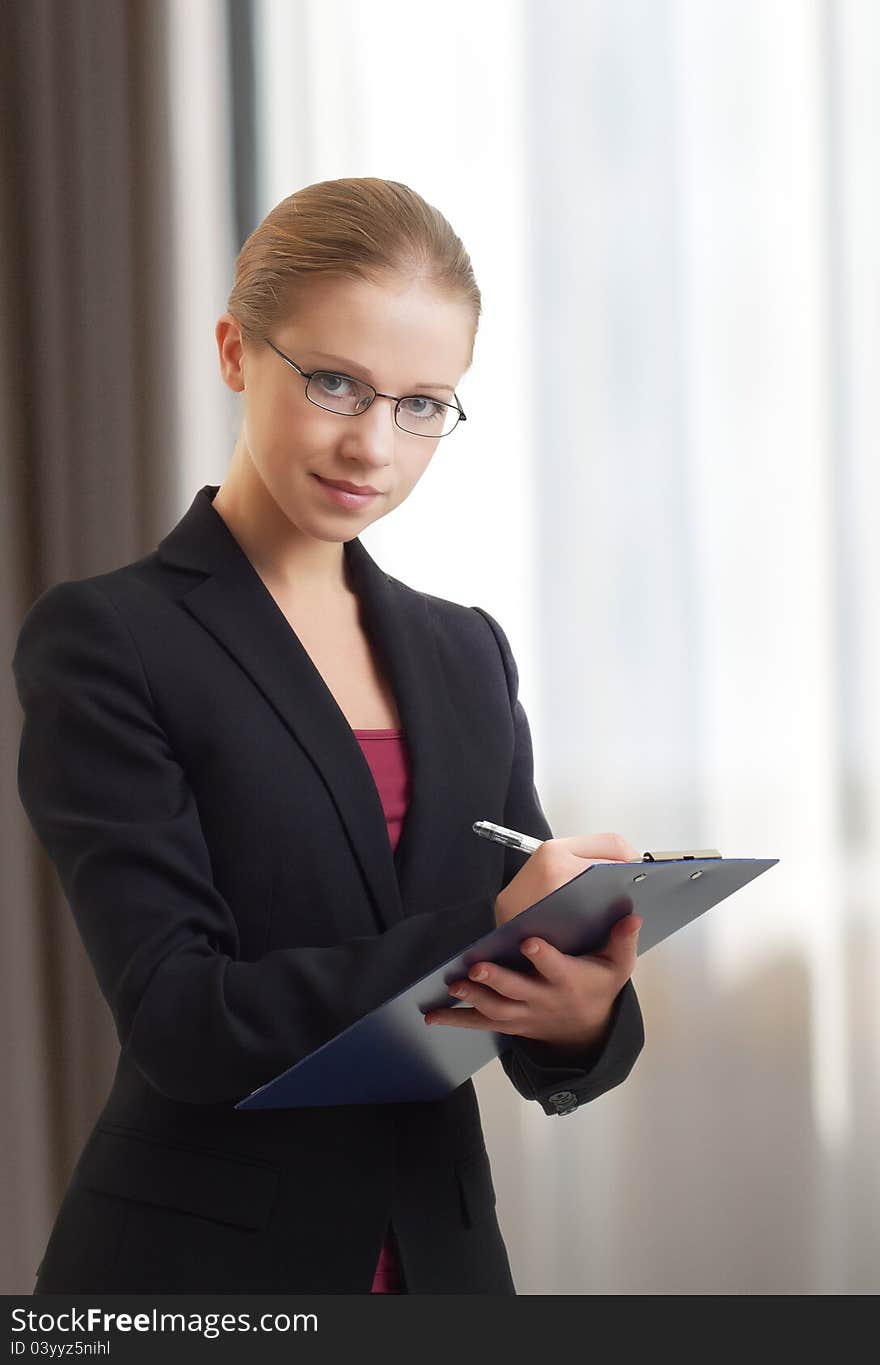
504 980
601 847
552 964
469 1018
489 1002
622 945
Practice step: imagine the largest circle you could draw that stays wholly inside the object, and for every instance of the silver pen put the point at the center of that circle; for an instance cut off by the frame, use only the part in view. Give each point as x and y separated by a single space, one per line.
527 844
524 842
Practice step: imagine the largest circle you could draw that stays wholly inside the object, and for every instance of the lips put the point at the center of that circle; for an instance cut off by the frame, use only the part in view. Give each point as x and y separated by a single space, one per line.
348 487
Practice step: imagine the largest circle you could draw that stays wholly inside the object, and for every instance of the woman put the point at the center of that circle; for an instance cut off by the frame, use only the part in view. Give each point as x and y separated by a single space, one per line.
255 759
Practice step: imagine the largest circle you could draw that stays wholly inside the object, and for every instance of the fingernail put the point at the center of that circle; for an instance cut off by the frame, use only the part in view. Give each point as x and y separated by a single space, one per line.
530 948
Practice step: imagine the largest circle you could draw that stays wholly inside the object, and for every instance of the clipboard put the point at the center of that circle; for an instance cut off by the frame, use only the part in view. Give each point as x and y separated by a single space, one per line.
391 1055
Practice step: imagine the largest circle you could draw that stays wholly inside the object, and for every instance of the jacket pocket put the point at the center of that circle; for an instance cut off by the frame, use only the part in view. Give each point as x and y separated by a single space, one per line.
476 1189
133 1165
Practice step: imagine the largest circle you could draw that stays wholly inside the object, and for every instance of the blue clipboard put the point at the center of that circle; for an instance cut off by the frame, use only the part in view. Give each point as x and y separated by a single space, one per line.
392 1055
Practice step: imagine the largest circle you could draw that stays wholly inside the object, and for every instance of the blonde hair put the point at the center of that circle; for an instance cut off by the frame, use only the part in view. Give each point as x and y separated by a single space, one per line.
357 229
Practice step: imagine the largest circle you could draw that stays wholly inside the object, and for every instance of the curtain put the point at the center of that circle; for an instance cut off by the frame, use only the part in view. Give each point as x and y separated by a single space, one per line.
97 234
665 492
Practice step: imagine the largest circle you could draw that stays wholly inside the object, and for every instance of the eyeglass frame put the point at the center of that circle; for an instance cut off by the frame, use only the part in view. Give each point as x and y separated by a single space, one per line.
462 416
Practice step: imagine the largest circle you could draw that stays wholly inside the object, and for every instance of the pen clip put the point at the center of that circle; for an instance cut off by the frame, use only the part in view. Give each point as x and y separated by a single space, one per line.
673 857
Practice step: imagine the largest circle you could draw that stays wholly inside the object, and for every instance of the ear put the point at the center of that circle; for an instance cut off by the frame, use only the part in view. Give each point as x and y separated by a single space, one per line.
231 349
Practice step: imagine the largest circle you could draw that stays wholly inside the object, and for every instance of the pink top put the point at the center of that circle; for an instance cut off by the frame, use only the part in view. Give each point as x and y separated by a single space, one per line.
385 752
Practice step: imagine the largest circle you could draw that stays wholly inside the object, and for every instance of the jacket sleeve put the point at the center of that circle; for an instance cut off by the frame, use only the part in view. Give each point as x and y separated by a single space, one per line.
536 1069
113 808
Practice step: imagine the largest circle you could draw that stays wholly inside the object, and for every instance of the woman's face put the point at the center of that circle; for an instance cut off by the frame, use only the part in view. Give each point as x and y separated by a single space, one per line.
404 339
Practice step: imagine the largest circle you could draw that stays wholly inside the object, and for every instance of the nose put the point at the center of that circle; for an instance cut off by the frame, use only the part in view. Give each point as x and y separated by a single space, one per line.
371 434
382 412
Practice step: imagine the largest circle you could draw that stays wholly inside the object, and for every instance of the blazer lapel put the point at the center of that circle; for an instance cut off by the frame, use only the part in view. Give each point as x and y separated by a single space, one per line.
234 604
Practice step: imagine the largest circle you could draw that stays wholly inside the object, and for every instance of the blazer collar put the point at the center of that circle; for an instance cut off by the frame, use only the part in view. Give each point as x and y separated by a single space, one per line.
234 604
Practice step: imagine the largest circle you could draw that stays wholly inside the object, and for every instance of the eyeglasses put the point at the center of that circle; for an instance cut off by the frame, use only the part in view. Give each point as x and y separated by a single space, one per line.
417 414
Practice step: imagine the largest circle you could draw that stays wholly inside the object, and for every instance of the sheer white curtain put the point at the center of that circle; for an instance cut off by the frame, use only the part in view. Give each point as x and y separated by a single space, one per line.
665 491
207 413
707 284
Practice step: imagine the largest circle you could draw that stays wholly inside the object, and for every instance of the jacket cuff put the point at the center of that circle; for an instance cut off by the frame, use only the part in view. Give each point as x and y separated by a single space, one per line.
560 1081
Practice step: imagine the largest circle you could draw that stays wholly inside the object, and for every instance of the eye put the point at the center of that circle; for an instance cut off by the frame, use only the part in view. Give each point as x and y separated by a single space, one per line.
426 410
336 383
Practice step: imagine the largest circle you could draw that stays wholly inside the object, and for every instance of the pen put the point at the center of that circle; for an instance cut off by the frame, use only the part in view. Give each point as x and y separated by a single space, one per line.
527 844
524 842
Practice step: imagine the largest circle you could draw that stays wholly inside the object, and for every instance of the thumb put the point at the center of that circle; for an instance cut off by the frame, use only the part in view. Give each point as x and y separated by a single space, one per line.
623 943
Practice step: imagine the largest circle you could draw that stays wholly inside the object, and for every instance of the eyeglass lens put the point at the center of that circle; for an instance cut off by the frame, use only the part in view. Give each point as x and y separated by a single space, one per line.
419 414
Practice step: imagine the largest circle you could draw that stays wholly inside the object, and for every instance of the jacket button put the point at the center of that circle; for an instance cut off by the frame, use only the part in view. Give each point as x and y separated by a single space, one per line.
564 1101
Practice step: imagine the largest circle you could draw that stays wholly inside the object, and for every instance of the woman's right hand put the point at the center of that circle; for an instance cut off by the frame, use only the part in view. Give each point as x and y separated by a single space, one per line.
554 863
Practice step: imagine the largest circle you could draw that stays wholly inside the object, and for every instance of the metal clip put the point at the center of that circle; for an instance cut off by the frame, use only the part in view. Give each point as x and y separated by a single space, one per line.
672 857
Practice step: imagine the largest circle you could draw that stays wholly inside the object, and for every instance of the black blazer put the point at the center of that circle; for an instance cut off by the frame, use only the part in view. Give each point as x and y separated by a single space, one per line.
221 842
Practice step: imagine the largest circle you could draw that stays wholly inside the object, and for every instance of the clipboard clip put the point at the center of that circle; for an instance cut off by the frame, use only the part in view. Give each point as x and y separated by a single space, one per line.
672 856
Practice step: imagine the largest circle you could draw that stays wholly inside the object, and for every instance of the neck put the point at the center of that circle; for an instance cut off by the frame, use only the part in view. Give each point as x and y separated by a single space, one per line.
286 558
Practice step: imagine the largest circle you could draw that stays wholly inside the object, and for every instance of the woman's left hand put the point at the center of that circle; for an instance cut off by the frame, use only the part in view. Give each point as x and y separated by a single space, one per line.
566 1004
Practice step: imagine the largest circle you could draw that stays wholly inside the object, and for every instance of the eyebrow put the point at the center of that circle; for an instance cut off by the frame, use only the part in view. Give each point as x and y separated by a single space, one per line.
353 365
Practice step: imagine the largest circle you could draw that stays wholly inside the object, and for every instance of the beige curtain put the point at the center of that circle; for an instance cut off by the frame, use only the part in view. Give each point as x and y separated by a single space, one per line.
86 390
